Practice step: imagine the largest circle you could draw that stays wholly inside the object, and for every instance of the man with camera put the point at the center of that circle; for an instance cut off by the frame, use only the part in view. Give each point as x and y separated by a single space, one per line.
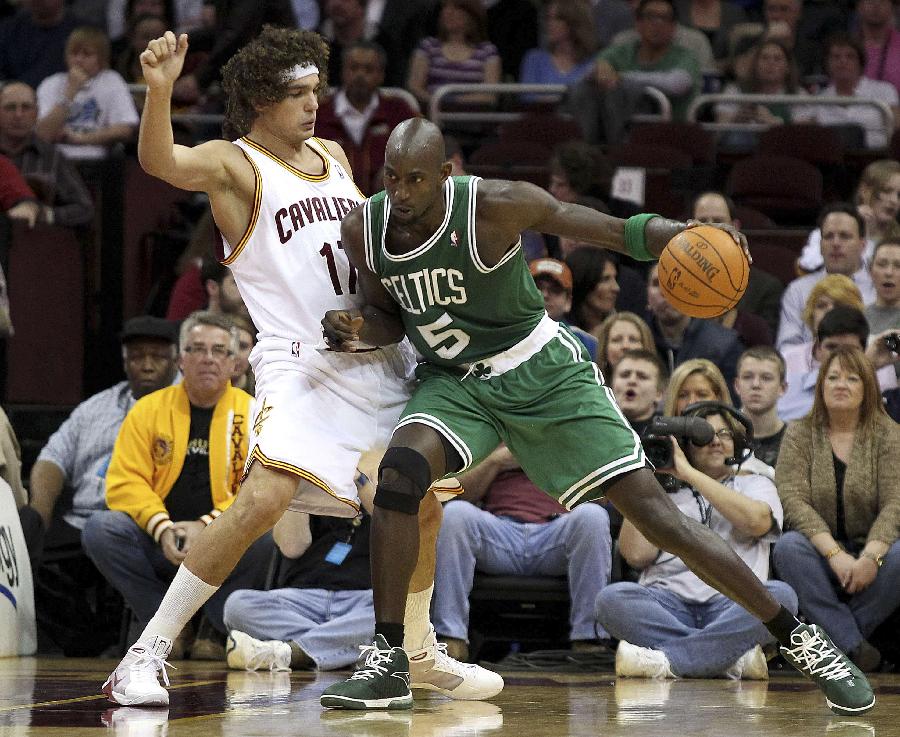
670 623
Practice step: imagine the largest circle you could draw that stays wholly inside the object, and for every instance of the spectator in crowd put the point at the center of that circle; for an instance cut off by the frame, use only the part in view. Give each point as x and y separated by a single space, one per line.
653 59
518 530
175 467
619 333
242 376
567 55
594 286
714 19
359 117
344 25
17 200
189 291
670 623
32 42
838 481
884 314
554 279
877 200
580 173
88 108
639 383
142 29
460 54
758 307
876 27
398 26
839 326
843 243
120 13
64 199
222 295
321 605
679 338
759 384
845 63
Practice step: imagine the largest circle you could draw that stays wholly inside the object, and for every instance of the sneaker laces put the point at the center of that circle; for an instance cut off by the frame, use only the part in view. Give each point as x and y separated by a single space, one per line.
373 664
147 660
811 652
443 660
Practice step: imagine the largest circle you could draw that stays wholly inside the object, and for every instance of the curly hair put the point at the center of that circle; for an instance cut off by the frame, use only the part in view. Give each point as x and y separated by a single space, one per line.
254 76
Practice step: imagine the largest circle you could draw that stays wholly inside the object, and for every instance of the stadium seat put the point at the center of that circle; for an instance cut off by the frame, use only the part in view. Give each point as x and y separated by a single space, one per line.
528 161
697 142
789 190
548 129
669 173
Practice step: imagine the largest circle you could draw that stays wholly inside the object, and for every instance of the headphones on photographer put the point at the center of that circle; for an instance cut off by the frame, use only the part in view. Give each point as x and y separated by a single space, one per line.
743 443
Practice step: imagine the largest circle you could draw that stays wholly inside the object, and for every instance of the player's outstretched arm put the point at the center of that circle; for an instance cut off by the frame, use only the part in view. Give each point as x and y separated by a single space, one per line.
379 322
201 168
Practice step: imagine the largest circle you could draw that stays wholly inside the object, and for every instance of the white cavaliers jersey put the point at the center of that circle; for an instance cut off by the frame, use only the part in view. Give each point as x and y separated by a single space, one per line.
289 265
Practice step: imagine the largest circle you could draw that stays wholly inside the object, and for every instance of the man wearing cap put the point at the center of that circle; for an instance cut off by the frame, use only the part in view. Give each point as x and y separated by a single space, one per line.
554 279
175 467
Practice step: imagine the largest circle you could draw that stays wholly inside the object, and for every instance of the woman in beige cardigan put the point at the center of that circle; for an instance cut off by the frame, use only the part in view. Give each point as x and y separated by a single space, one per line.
838 482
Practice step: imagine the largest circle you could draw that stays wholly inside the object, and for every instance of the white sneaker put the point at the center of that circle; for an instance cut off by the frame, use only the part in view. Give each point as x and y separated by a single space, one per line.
641 662
135 681
431 668
129 721
248 653
752 666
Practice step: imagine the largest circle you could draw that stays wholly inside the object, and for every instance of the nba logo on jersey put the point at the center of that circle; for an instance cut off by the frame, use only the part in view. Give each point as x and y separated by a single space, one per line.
295 348
454 239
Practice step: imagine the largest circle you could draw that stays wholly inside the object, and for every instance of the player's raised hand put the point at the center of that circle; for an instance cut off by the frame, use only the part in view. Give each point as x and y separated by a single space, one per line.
341 329
163 59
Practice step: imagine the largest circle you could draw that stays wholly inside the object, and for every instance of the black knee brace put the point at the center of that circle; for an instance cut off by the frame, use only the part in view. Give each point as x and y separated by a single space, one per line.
404 489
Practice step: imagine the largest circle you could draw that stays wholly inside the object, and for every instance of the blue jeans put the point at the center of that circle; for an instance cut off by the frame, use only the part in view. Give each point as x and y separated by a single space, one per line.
700 640
328 625
847 619
135 565
576 544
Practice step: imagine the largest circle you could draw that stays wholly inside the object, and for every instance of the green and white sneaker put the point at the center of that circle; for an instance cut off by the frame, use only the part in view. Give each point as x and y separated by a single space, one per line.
846 689
381 681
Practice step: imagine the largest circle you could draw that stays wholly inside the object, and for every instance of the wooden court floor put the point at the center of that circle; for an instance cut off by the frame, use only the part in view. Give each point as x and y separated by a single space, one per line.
44 697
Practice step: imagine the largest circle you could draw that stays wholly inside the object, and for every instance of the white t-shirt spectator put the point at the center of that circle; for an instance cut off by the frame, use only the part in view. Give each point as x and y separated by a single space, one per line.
866 116
102 102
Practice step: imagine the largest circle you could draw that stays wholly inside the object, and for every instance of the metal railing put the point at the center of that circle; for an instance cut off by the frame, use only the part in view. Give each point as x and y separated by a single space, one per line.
795 101
544 92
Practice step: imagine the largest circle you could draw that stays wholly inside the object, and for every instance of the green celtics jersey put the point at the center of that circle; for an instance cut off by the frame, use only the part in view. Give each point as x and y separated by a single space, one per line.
455 308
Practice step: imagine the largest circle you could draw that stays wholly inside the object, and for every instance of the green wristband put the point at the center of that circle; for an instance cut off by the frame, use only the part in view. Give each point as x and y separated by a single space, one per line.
635 242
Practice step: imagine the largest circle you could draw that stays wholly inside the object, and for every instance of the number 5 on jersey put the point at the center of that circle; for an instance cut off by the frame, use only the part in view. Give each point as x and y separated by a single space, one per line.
435 333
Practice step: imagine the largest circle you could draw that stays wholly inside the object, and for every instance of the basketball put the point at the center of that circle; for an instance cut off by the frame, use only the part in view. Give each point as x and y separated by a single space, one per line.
703 272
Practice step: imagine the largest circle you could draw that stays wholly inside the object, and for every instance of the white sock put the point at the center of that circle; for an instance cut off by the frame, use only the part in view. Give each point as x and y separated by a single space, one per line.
417 619
185 596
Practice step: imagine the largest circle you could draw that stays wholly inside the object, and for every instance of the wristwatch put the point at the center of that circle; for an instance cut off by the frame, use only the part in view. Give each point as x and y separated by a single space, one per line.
879 559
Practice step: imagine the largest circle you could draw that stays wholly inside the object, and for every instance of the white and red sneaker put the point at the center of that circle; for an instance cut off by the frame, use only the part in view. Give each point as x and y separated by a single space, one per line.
431 668
135 681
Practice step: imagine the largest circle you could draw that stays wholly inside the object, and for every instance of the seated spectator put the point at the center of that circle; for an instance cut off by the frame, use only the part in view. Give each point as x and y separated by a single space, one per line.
838 481
845 62
670 623
755 319
876 28
189 291
358 117
839 326
460 54
17 201
88 108
554 279
176 466
654 59
759 384
639 382
567 55
242 376
714 19
884 314
877 200
843 243
32 42
679 338
594 286
518 530
617 334
321 606
175 14
142 29
64 199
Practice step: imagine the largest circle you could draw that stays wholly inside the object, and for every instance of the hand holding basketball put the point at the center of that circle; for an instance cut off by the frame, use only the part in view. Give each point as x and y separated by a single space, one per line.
703 271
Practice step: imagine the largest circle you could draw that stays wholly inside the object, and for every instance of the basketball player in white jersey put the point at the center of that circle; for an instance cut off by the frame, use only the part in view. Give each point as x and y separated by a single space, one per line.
278 195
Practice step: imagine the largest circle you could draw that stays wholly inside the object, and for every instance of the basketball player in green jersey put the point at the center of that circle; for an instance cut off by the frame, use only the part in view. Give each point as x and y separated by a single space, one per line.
440 259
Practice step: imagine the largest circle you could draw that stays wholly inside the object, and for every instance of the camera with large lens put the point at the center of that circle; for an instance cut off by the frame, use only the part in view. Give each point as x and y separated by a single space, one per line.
657 442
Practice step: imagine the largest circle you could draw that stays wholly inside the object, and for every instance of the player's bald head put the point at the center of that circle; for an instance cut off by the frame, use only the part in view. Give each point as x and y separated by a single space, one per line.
416 140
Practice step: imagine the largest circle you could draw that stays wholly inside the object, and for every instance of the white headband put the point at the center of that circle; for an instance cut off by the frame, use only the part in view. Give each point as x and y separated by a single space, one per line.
300 70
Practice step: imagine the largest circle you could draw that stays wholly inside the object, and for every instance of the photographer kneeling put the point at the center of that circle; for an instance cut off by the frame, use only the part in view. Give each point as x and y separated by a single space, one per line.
671 624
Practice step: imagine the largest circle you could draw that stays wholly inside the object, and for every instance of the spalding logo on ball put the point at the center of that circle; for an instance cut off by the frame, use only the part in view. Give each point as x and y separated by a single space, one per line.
703 272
